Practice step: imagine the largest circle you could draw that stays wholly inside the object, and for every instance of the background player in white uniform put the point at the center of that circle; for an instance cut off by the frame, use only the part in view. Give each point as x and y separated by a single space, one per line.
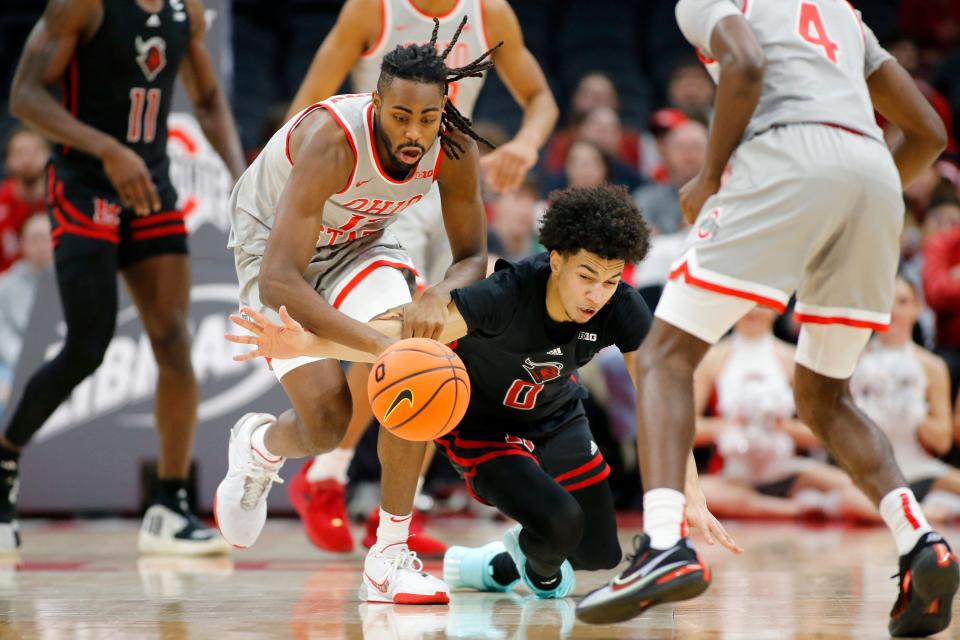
309 232
812 205
364 32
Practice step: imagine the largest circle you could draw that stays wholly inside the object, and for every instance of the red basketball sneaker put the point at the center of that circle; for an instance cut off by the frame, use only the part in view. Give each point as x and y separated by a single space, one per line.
323 511
423 544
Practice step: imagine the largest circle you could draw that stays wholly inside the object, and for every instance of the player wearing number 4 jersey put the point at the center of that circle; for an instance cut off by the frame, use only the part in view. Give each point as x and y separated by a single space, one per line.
113 209
524 445
812 206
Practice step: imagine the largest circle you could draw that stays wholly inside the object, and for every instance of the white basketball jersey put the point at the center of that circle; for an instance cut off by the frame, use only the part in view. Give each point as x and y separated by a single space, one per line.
403 24
818 52
368 203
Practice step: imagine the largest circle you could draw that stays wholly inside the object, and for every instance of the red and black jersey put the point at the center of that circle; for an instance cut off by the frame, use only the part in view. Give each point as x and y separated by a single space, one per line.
522 364
121 81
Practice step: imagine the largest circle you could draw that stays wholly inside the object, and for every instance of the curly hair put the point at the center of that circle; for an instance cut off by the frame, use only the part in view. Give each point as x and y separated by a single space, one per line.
602 220
423 63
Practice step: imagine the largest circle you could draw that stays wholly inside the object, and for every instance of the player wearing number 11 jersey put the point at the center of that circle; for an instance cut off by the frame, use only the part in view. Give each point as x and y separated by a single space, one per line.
113 208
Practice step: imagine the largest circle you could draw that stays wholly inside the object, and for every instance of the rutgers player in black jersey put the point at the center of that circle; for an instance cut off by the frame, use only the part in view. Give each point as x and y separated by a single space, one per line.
524 445
113 208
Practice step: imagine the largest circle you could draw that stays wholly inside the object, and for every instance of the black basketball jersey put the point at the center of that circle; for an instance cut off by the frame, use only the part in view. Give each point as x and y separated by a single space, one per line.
523 364
121 81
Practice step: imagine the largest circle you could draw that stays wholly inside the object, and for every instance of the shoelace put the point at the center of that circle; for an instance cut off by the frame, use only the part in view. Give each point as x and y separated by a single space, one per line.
406 559
257 479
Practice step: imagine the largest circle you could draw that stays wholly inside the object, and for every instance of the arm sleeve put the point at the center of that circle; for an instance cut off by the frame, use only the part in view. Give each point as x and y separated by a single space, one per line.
697 18
631 320
489 305
874 55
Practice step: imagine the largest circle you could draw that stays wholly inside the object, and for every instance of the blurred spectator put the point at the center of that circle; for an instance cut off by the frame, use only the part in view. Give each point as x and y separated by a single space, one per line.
690 89
586 166
940 217
941 288
931 186
905 389
662 122
594 91
17 290
514 221
904 48
750 374
684 151
22 192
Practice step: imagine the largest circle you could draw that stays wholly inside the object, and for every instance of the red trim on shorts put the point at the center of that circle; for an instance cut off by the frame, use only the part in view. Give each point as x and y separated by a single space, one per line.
472 462
383 31
905 501
76 214
849 322
600 477
364 273
431 16
684 270
157 218
172 230
303 114
66 227
596 460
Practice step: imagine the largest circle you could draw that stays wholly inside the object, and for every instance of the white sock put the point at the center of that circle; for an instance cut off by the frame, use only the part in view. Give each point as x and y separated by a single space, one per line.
663 521
331 465
392 533
260 451
903 516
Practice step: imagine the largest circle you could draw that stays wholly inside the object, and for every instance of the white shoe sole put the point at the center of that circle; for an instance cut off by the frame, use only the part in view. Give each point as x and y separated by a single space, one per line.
151 544
366 594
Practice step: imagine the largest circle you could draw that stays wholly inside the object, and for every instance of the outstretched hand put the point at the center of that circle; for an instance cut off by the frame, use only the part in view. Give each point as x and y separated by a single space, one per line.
699 517
280 341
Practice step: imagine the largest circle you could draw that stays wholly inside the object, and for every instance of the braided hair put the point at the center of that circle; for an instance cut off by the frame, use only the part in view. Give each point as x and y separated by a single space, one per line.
422 63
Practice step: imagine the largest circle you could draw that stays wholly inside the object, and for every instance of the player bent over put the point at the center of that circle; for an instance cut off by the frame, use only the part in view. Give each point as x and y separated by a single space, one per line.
524 445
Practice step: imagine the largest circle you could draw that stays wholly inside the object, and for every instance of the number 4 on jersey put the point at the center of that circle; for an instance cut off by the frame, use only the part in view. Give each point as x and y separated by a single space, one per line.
812 30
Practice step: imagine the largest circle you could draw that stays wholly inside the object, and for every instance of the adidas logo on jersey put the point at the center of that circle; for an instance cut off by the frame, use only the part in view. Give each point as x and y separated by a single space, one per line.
555 352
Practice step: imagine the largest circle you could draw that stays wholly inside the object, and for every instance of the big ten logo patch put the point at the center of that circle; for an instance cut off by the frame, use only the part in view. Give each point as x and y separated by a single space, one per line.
106 213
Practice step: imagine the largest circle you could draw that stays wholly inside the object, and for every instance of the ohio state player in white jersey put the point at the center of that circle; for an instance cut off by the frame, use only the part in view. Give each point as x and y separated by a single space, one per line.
310 232
813 206
365 31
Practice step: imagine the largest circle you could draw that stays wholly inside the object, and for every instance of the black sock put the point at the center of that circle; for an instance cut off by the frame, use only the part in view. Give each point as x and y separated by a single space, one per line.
172 494
541 582
6 453
504 569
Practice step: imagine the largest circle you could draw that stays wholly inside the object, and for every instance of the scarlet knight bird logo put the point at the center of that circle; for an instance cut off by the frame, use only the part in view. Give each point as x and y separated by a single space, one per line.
543 371
151 55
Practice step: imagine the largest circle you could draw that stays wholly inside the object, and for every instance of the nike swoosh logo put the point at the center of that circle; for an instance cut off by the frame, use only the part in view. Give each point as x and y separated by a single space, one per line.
647 567
405 395
617 583
360 183
379 586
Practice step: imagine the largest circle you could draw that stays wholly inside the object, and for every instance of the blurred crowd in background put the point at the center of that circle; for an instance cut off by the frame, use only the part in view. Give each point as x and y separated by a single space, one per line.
635 107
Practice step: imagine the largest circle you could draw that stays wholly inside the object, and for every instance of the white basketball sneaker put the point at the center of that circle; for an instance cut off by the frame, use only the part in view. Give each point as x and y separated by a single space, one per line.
399 579
240 504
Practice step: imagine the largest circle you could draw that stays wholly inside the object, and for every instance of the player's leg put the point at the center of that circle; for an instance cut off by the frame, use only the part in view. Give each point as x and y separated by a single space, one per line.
730 499
86 268
536 551
318 489
88 293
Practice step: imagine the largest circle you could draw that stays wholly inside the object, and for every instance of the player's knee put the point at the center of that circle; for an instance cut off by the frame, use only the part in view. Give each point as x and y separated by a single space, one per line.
325 426
171 345
565 524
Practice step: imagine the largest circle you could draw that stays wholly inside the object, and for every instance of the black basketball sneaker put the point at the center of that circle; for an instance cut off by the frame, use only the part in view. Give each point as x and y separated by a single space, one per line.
9 526
928 581
172 529
654 576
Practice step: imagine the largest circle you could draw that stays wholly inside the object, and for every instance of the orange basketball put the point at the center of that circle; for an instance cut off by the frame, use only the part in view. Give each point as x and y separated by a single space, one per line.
419 389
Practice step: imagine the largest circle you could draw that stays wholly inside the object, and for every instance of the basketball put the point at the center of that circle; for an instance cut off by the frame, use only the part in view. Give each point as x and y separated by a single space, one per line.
419 389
